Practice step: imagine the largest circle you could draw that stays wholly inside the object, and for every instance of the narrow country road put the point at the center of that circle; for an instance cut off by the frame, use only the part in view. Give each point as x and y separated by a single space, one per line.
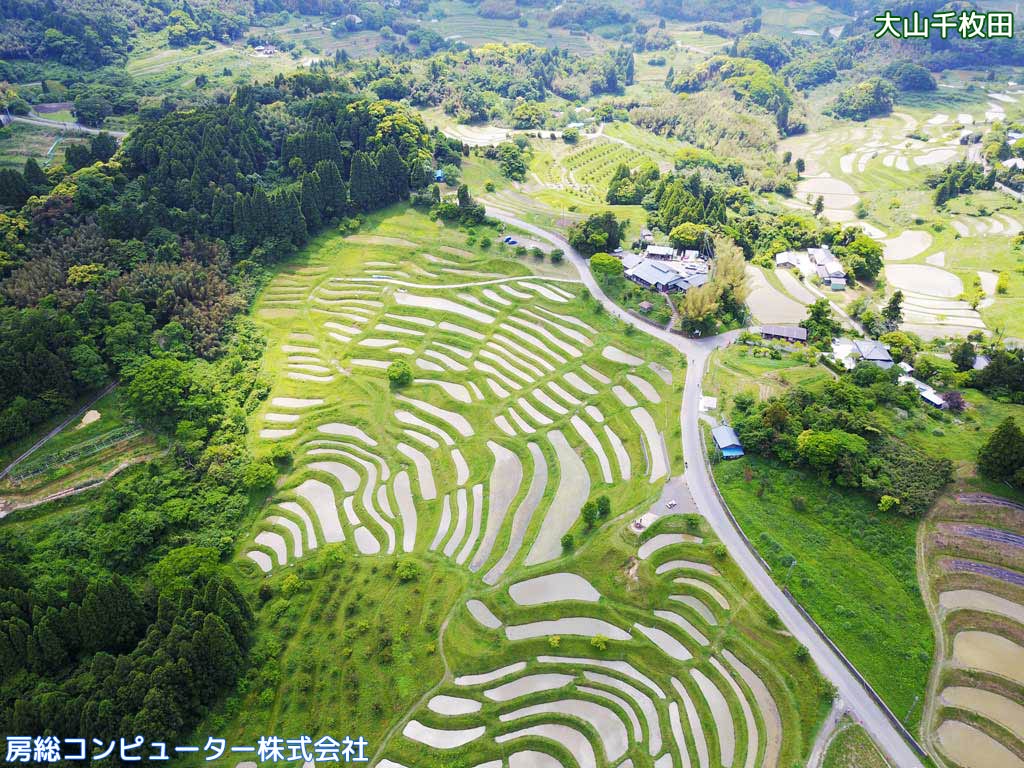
857 696
58 429
66 126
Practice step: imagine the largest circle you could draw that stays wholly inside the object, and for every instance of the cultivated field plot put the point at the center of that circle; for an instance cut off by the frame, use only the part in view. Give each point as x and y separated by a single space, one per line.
974 554
460 21
20 141
511 392
637 656
877 170
524 404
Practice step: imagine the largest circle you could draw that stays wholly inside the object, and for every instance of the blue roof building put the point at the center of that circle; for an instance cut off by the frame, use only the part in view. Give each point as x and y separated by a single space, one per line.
727 441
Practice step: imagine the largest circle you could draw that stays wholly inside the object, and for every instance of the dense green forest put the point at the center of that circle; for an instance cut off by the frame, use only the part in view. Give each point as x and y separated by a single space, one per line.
154 251
136 266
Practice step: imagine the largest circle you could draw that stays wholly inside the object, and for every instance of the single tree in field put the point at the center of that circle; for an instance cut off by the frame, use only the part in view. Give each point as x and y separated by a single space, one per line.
399 374
800 165
697 309
893 311
820 323
819 205
954 401
1003 453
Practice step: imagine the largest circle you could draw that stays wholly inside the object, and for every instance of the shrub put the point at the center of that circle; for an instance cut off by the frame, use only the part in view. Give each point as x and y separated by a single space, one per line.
600 642
399 374
802 654
407 570
799 503
888 503
554 641
290 585
568 542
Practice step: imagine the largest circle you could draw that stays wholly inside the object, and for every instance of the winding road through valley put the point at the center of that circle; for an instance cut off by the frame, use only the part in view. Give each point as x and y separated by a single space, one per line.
858 698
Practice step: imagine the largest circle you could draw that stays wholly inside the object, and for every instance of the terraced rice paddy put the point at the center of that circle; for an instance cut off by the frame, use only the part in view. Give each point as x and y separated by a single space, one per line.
874 174
975 559
524 404
504 370
608 683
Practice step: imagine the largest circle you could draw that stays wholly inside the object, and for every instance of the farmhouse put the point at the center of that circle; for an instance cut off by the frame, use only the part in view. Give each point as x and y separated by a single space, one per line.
673 275
815 261
660 277
787 260
927 393
784 332
828 268
849 352
727 441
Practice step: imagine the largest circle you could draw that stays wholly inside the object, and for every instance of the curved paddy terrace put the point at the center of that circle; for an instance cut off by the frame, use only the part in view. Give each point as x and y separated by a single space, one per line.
524 404
974 556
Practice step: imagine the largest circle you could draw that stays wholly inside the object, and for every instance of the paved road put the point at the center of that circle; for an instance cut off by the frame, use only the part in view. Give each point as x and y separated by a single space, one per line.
859 701
66 126
57 430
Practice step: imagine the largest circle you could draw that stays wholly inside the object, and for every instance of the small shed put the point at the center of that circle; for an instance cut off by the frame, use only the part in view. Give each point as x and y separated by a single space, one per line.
439 175
661 252
933 398
646 306
727 441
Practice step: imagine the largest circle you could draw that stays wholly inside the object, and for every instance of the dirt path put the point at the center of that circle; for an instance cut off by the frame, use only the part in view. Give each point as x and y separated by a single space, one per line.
931 693
828 731
6 507
64 126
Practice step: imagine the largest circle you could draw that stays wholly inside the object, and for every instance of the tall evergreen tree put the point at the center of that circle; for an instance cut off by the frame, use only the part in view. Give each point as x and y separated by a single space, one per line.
363 183
1002 455
311 204
14 190
35 177
333 190
394 175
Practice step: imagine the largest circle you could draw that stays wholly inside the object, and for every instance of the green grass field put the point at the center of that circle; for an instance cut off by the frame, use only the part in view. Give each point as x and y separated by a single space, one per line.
851 568
851 747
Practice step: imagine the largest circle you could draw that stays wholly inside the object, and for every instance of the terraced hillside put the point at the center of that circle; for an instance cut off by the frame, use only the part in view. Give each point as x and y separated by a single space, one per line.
525 402
974 552
650 655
